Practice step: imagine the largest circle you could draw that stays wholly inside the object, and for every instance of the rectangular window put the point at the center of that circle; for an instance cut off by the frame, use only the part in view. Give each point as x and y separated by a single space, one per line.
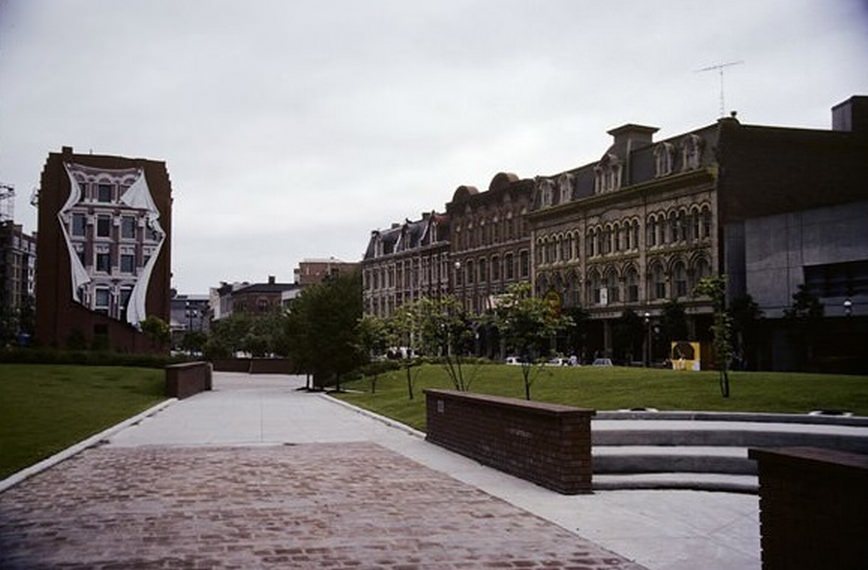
104 262
79 225
128 227
103 226
102 299
633 293
524 262
104 193
495 269
508 267
660 290
128 263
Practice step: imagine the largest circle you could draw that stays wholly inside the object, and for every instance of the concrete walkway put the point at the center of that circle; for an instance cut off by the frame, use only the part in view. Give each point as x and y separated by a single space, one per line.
256 473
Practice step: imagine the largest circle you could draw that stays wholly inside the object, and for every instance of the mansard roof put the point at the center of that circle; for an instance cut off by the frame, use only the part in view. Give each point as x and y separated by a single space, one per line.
431 228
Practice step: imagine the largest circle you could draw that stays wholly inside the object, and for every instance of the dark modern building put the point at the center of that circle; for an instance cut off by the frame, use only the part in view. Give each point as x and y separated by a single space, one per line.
17 266
104 249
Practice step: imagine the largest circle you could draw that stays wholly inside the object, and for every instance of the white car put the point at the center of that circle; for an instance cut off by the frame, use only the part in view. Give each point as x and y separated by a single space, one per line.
602 362
513 361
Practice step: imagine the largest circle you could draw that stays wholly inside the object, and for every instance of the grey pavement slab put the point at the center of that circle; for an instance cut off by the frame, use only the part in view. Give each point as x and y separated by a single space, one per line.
662 530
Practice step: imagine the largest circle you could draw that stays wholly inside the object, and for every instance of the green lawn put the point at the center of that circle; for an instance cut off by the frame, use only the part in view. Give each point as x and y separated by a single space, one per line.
619 388
46 408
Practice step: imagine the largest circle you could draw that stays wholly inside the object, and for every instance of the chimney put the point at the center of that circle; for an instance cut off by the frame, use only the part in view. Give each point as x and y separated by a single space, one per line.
851 115
66 149
636 135
271 279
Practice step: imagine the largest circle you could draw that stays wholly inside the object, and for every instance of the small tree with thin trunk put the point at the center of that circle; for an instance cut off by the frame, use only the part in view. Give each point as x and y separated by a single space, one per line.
444 331
715 287
404 332
372 334
527 323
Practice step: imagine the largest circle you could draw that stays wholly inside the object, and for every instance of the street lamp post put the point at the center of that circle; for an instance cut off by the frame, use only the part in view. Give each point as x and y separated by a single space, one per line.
848 307
459 282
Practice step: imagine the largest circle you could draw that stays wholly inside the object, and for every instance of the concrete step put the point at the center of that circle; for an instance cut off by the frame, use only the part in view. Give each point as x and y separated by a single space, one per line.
689 481
655 459
728 434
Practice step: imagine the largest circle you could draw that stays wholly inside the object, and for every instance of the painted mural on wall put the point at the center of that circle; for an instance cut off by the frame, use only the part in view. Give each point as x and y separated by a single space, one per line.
112 230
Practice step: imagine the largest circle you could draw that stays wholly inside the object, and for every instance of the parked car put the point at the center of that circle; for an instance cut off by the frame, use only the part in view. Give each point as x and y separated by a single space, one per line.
558 361
513 360
602 362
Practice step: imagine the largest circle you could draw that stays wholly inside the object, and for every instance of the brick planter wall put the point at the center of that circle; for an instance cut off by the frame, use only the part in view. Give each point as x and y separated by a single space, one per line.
187 379
813 508
231 365
271 366
547 444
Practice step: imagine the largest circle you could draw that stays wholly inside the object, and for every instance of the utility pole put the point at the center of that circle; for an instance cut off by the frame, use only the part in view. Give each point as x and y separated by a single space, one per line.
719 68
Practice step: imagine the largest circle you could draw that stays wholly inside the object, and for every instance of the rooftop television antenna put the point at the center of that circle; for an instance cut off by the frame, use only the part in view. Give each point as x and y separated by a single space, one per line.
719 68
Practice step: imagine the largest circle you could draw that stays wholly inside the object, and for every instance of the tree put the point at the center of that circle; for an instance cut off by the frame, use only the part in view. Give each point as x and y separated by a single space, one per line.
403 328
744 313
321 330
576 329
805 316
445 331
629 333
157 330
715 287
527 323
673 322
194 341
372 334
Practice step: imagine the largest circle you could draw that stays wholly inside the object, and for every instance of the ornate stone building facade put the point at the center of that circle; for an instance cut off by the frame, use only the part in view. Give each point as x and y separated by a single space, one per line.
490 246
406 262
630 231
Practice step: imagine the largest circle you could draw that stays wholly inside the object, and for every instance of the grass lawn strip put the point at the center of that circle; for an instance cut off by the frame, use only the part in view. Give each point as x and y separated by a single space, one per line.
614 388
46 408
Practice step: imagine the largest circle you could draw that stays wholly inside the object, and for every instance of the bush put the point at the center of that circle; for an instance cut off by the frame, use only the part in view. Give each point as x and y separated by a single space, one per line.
86 358
379 367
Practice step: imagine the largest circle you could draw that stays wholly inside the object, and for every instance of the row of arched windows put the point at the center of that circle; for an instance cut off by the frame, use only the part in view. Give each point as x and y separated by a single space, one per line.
611 284
678 226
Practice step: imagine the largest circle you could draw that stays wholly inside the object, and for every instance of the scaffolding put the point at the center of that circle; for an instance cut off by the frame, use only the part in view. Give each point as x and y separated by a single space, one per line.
7 202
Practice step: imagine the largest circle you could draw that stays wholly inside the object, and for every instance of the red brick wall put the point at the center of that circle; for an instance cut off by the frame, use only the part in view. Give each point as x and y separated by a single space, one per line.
188 379
547 444
813 508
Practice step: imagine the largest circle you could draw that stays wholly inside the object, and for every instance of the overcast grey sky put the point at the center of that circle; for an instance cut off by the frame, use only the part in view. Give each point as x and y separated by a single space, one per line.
291 129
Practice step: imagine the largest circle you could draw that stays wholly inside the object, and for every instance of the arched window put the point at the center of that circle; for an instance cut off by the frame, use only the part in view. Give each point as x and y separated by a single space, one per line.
631 279
483 270
635 234
657 282
613 288
706 222
469 271
679 279
652 231
509 267
681 225
595 284
495 269
701 269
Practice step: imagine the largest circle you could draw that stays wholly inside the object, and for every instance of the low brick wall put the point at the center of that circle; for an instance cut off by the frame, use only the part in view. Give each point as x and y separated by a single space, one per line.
813 508
185 380
271 366
231 365
548 444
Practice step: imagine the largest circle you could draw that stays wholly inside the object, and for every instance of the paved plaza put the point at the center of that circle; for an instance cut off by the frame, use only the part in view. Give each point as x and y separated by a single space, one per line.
258 474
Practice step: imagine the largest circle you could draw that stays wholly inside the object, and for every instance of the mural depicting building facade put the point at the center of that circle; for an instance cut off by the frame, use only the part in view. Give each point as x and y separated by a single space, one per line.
104 249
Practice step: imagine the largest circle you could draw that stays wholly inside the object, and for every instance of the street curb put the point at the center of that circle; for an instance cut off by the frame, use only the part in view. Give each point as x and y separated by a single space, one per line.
375 416
74 449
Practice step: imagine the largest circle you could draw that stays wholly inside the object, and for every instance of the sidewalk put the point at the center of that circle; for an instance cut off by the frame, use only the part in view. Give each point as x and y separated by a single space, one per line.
256 473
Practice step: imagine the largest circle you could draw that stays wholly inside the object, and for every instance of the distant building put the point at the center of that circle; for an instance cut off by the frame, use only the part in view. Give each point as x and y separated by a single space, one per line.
406 262
260 298
489 240
312 271
104 248
190 313
17 265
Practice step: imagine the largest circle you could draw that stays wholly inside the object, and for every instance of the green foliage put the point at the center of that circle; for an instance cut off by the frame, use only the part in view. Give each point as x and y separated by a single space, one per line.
527 324
744 314
806 306
629 333
445 331
321 329
194 341
157 330
373 335
673 321
258 335
402 330
86 358
715 288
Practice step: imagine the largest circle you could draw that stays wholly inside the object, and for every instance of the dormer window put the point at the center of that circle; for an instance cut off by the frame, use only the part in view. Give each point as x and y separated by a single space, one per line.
546 190
565 186
664 153
607 174
691 152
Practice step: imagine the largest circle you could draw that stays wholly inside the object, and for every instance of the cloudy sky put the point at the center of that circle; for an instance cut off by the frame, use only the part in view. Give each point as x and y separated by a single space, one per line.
291 129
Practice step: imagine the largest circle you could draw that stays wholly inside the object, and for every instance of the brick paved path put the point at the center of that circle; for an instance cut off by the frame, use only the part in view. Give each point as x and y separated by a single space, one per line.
347 505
